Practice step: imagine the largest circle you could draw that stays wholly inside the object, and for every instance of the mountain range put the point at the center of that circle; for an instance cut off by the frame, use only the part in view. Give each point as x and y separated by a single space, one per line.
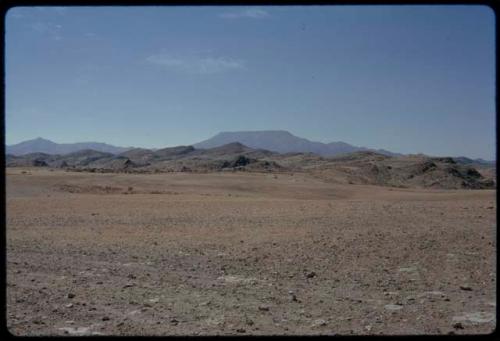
360 167
284 142
41 145
272 140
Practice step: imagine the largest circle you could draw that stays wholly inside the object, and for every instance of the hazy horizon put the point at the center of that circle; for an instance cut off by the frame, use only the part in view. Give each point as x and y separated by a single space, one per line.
408 79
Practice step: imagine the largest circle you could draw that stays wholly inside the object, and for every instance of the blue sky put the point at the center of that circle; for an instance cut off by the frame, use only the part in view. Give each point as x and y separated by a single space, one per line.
404 78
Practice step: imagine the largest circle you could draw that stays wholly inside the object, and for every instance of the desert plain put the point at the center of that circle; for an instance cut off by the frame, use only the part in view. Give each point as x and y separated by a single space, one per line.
240 253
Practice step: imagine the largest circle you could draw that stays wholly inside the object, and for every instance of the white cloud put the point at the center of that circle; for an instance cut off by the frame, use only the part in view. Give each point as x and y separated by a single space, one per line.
53 31
196 65
254 13
90 35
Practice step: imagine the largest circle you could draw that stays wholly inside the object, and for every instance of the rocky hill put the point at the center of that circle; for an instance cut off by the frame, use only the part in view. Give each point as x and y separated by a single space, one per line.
360 167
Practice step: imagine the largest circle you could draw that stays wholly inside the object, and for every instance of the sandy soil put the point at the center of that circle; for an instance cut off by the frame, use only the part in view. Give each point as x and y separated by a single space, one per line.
239 253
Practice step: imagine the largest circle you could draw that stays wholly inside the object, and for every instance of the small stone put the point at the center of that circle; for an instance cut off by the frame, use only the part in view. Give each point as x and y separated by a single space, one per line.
311 274
466 287
458 325
393 307
71 295
241 330
105 318
263 308
319 323
174 321
69 305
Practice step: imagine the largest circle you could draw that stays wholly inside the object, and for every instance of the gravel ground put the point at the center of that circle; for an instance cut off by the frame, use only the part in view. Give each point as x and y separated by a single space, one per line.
238 254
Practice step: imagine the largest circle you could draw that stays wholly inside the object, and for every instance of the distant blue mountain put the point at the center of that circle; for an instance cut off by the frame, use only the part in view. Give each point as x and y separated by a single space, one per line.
283 142
466 161
40 145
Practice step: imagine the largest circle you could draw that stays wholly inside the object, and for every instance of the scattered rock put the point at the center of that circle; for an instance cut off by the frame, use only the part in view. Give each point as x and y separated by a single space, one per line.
458 325
311 274
477 317
71 295
154 300
264 308
319 323
410 298
105 318
393 307
79 331
241 330
466 287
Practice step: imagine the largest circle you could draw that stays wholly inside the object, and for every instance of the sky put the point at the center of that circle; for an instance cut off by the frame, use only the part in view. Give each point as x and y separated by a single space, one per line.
409 79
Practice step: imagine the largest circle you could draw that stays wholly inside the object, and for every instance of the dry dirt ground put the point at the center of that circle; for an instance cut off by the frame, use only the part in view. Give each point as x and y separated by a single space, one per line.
240 253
